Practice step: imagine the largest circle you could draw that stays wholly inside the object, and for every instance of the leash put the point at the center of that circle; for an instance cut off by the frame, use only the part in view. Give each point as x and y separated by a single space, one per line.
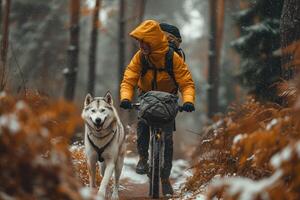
102 149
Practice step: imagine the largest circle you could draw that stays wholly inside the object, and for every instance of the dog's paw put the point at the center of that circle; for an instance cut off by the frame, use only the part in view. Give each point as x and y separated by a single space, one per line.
100 196
115 196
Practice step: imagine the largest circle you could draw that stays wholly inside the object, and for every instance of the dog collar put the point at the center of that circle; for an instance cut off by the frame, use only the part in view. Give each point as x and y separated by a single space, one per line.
102 137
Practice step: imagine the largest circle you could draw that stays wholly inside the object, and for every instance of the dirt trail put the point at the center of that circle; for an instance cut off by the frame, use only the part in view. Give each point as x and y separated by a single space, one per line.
134 191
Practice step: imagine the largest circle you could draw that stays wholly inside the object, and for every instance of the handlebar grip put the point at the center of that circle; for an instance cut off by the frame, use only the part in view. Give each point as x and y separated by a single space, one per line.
180 109
135 105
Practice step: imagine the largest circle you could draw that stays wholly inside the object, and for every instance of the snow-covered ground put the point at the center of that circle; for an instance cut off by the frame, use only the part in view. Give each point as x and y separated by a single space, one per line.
129 174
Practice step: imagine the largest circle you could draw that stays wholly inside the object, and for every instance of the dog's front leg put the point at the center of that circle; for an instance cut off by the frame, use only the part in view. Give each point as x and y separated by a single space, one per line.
105 180
118 169
91 164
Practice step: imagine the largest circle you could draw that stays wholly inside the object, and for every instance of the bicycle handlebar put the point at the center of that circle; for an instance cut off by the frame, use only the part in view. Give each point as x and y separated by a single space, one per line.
136 106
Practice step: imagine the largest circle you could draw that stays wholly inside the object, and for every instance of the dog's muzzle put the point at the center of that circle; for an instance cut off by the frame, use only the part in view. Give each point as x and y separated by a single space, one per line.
98 124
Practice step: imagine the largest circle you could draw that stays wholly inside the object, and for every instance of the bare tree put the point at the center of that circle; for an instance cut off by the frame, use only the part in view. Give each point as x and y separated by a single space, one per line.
216 29
4 44
141 10
140 13
93 48
121 39
290 38
1 13
220 28
73 50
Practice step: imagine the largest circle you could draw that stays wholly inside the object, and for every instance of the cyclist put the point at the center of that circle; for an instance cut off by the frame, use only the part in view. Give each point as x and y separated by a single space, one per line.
154 47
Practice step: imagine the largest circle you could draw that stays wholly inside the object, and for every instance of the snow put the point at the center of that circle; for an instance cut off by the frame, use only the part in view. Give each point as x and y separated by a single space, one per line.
247 188
85 192
271 124
2 94
251 157
5 196
282 156
20 105
298 148
190 195
206 141
239 137
128 171
11 122
217 124
180 172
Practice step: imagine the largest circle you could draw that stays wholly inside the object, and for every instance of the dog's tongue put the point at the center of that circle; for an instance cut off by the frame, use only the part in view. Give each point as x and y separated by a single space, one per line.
98 127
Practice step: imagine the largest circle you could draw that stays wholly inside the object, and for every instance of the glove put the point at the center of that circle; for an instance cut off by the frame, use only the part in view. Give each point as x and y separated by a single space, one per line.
125 104
188 107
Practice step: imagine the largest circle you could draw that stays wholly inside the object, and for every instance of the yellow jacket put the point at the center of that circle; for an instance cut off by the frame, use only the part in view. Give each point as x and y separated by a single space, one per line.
150 32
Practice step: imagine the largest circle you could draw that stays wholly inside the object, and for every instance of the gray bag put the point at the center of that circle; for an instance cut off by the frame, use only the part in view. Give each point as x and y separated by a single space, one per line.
158 108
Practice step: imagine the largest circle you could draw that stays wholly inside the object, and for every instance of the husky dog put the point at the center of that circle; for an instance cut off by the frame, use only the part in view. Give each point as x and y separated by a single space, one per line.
104 141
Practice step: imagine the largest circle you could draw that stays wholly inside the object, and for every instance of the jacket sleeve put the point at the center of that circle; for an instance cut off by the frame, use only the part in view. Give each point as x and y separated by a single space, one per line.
184 79
130 78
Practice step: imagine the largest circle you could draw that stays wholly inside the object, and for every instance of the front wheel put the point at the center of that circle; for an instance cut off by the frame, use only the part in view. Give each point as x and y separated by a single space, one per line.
155 167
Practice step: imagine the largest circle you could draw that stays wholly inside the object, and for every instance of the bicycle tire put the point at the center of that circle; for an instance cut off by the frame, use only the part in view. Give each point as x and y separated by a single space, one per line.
155 174
150 166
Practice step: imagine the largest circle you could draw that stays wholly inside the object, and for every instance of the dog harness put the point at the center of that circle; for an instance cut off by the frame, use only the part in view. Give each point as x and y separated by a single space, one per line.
102 149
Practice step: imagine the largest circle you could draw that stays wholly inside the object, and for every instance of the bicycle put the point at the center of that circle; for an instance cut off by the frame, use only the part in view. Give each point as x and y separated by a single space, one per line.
156 156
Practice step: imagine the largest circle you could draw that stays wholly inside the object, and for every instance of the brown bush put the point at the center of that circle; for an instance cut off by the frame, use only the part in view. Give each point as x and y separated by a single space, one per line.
35 161
241 145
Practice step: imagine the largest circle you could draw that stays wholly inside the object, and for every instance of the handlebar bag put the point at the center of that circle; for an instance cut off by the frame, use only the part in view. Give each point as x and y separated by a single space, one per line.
158 108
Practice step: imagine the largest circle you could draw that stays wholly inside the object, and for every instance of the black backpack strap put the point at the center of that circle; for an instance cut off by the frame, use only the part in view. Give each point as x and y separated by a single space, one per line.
179 51
169 66
144 64
145 67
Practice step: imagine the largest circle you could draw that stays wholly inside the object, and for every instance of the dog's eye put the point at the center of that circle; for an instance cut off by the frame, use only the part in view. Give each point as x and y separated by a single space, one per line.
102 110
93 111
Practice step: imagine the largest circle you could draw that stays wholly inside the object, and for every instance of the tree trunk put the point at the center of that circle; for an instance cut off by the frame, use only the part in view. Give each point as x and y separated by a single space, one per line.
73 50
121 39
4 45
290 38
1 13
220 28
216 29
140 8
93 49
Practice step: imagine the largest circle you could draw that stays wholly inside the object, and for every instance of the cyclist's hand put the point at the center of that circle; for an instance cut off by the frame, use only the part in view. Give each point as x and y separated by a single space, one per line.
188 107
126 104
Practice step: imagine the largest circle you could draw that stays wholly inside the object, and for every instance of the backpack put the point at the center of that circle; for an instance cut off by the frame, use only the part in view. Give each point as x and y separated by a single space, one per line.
158 108
146 65
174 38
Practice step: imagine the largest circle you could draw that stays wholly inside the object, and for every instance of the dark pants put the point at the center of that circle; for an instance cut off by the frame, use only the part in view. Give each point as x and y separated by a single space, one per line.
143 138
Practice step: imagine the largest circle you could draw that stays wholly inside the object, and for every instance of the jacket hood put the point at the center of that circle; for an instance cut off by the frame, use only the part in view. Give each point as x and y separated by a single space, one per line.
150 32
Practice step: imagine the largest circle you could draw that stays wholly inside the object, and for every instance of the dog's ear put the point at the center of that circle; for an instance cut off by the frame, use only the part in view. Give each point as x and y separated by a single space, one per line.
108 98
88 99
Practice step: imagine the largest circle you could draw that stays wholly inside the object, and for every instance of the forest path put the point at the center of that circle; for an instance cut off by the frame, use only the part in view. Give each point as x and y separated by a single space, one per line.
135 187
